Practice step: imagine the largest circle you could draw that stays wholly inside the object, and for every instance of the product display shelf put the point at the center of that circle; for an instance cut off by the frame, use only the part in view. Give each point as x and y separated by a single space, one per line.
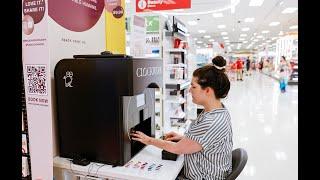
26 175
176 82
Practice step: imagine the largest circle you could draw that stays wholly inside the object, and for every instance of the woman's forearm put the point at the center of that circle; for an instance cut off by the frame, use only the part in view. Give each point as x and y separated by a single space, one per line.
166 145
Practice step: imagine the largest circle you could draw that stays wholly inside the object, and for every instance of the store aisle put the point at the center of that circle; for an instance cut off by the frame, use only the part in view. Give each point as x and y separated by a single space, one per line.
265 123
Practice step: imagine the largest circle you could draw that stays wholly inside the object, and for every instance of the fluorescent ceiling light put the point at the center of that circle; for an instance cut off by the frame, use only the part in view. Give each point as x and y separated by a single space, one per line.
274 38
217 15
248 19
265 31
202 31
225 37
227 41
280 33
289 10
241 39
195 39
243 35
207 36
245 29
199 42
221 26
211 40
245 41
260 37
274 23
224 33
255 40
192 23
293 27
256 3
268 41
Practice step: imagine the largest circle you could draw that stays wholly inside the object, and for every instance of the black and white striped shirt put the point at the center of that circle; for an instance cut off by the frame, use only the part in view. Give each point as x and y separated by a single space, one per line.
214 132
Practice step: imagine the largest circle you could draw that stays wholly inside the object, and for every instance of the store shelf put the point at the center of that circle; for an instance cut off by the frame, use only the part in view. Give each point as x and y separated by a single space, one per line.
176 50
178 85
177 100
176 65
179 116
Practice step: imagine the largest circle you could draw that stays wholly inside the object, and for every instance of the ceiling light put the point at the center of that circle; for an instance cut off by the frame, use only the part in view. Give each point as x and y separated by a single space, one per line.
199 42
241 39
248 19
221 26
245 29
245 41
268 41
211 40
195 39
274 23
260 37
255 2
274 38
217 15
281 3
224 33
265 31
289 10
243 35
207 36
255 40
280 33
225 37
202 31
192 23
226 41
293 27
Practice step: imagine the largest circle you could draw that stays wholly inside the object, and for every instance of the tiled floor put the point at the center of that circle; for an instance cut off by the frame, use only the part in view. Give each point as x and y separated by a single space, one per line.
265 123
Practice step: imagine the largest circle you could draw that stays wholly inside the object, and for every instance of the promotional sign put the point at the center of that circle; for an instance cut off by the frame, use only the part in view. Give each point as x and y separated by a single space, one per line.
160 5
115 26
51 33
152 23
138 37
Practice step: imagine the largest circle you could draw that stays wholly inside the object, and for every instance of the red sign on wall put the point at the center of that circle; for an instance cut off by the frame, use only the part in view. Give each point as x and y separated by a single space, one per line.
160 5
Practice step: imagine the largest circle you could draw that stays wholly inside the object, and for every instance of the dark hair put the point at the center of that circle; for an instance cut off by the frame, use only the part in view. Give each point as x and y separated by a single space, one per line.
214 76
284 58
281 70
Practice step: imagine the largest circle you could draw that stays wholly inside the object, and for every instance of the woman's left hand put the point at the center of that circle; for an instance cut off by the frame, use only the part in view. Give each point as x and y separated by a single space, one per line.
140 136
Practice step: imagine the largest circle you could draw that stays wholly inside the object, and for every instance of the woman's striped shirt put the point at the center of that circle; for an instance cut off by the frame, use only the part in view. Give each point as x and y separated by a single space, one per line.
213 131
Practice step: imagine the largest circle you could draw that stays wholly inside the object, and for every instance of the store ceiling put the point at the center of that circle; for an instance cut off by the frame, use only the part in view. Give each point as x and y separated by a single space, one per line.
269 11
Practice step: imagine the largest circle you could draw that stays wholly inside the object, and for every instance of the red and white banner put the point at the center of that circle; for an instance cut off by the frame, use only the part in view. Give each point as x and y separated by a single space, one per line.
160 5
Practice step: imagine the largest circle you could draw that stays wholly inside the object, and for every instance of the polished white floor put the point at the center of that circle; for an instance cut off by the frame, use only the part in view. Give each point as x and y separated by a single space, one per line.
265 123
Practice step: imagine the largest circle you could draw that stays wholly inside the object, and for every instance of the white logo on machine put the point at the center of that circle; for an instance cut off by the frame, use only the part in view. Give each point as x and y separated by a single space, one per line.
68 79
148 71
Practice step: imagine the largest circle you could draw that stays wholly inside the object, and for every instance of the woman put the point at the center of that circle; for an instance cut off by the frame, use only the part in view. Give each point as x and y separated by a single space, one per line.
207 145
284 75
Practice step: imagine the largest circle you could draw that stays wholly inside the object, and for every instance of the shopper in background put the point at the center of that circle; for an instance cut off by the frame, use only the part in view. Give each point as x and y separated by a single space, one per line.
248 62
261 65
282 81
284 65
239 69
207 144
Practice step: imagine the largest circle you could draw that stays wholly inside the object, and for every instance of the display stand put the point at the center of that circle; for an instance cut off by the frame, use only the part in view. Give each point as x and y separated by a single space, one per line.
176 82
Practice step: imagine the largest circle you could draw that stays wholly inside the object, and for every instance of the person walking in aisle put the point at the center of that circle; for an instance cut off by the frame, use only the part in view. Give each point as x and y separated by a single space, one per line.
248 63
239 69
284 70
207 144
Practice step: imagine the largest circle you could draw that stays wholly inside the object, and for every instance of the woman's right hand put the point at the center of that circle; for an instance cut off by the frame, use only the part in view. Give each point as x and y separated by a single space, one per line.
172 136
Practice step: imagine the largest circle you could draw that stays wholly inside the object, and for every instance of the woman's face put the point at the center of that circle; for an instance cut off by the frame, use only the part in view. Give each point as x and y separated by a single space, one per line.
198 94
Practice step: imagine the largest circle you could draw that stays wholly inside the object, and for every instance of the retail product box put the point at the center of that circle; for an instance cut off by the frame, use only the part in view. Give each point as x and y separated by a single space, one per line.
25 167
24 144
22 122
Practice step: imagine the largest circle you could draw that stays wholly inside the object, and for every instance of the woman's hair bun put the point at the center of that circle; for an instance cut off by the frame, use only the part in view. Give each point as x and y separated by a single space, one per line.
219 62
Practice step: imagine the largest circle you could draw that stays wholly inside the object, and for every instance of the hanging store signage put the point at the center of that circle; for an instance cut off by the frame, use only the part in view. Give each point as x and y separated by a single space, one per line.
160 5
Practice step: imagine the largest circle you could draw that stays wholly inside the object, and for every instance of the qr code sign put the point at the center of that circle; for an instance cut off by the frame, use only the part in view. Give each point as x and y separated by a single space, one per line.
37 79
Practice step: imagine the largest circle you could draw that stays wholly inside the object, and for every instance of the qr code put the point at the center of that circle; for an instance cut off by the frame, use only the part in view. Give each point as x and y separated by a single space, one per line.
37 79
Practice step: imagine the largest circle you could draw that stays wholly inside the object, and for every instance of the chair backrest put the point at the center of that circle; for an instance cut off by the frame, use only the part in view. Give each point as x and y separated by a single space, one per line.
239 160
